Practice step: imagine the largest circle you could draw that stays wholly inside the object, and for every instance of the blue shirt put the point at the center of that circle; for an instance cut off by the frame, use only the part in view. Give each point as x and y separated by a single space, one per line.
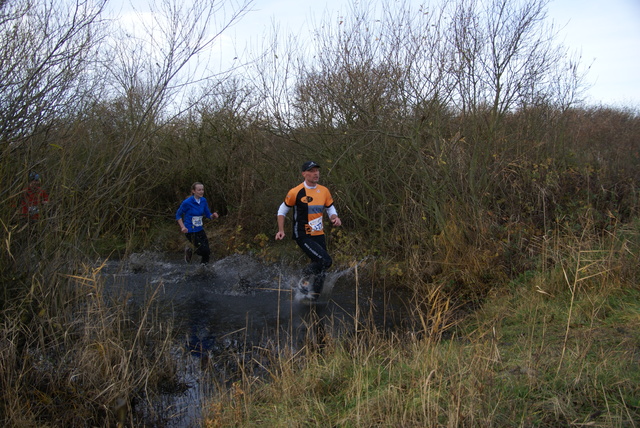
192 213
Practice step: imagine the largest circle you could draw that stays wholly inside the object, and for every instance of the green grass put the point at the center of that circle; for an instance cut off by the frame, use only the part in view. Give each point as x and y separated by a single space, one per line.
504 366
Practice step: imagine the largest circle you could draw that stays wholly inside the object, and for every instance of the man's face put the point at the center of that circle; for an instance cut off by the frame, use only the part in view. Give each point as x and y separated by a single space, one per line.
312 175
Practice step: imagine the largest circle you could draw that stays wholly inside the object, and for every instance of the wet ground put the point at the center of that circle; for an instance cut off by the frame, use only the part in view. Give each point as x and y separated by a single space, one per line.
236 305
238 293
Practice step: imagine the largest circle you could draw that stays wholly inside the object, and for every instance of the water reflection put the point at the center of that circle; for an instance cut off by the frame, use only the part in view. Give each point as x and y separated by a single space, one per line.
239 293
229 311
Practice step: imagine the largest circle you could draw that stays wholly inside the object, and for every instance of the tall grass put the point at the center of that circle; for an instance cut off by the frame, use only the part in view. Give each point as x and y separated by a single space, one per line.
73 355
547 212
554 349
522 205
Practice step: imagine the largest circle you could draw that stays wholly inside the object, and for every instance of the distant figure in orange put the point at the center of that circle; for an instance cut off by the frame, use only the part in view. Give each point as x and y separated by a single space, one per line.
33 197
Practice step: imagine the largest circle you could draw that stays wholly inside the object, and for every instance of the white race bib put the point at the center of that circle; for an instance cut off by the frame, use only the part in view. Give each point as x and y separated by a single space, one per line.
196 221
316 224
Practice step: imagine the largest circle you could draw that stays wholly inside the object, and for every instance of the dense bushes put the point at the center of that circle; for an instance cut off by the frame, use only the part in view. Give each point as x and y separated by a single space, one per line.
453 140
431 173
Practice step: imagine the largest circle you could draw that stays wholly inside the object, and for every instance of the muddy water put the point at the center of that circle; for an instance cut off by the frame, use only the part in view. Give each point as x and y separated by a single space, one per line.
237 304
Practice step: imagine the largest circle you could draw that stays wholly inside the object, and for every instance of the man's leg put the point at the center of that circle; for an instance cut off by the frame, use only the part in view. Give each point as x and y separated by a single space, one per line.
315 248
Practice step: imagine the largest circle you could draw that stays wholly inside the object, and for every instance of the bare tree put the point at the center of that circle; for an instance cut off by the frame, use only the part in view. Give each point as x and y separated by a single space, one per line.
152 67
168 52
45 51
506 57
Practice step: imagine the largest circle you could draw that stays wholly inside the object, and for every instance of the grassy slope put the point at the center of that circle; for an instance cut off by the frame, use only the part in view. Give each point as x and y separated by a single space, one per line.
520 361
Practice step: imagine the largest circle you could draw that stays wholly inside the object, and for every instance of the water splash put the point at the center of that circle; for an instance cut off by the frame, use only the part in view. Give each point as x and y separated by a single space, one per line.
225 311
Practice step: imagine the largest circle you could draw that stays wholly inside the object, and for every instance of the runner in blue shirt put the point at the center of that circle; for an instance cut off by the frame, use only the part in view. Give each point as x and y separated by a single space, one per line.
190 217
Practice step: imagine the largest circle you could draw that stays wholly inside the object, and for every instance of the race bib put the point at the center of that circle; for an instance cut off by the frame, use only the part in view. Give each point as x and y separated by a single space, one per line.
316 224
196 221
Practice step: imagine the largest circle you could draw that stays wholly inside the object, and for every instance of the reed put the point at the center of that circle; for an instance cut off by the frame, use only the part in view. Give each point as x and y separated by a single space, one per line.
512 217
75 354
564 356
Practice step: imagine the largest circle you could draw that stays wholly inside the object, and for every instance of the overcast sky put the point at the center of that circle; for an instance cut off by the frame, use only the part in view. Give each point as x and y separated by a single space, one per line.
608 34
605 32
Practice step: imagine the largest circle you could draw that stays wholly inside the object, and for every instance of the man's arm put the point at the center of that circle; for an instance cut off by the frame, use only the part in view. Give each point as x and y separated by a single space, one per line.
282 213
333 216
280 233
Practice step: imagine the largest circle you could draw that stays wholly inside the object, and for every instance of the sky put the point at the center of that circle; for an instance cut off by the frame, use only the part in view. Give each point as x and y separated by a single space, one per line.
605 32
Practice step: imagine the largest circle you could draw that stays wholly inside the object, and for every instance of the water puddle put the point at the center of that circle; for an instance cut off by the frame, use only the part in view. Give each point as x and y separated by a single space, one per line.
237 305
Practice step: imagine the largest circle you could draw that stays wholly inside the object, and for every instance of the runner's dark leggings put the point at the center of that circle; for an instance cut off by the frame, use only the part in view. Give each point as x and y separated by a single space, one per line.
201 244
315 247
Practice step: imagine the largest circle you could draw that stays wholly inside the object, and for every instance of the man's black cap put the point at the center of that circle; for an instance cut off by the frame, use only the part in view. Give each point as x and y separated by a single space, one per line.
308 165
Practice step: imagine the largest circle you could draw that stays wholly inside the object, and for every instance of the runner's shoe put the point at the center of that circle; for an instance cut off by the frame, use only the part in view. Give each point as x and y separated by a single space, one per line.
304 285
318 283
188 254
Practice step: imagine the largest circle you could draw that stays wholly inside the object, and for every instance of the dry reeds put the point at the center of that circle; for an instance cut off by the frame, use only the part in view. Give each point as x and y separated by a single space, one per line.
87 360
565 356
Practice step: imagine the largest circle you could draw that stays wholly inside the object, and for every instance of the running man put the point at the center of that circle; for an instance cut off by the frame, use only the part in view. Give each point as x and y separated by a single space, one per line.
309 201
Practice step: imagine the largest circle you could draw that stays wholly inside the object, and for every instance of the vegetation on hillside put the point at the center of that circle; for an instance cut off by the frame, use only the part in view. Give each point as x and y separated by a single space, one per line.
463 163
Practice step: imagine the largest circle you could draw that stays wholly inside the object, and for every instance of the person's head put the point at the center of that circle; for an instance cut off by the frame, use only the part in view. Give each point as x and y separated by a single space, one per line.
34 179
197 189
311 172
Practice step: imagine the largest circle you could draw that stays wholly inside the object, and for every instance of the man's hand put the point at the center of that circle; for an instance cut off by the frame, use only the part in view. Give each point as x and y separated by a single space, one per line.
335 220
279 235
